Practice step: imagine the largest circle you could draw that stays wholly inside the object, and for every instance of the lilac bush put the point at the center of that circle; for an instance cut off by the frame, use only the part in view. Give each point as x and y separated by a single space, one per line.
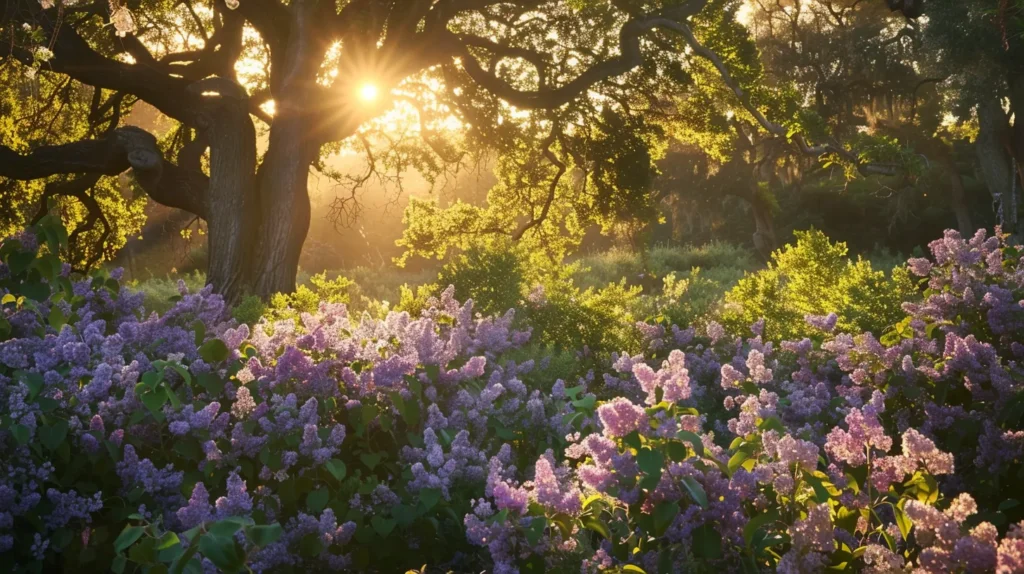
189 442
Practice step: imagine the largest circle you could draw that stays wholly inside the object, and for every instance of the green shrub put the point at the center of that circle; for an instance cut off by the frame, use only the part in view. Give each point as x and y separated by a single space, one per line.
415 301
600 320
307 297
688 299
493 276
249 310
815 277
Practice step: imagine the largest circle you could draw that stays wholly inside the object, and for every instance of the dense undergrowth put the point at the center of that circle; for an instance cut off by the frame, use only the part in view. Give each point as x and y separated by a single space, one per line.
821 414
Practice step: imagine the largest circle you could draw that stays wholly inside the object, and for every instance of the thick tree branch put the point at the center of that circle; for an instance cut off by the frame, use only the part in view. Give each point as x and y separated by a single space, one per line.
128 148
74 57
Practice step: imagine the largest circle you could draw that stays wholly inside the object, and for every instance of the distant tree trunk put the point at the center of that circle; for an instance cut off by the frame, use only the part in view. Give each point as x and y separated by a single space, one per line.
992 148
957 195
764 222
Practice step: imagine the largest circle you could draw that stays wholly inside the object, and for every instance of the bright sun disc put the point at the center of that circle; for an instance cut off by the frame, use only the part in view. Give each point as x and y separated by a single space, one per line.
368 92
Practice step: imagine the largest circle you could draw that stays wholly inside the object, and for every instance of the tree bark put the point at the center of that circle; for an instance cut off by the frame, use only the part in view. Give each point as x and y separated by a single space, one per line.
764 222
233 207
284 206
995 161
957 200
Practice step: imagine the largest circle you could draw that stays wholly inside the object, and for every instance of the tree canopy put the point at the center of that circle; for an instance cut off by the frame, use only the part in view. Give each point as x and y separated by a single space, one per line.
577 100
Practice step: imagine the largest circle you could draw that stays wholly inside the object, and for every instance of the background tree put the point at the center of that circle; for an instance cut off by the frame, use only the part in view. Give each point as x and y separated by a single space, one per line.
573 97
858 74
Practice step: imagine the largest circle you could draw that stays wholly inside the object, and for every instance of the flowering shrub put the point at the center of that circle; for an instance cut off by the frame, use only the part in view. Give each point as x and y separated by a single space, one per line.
189 442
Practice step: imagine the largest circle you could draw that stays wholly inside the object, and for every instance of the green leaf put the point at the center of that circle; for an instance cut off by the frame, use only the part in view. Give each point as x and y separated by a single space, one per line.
21 434
651 462
820 492
213 384
430 497
707 542
181 370
694 440
57 318
34 382
166 541
902 521
265 534
127 537
664 513
772 423
696 491
371 460
586 403
152 378
1008 504
154 400
179 565
118 563
677 451
536 529
213 351
633 440
737 460
336 468
317 500
598 527
52 436
403 514
200 330
310 545
382 526
227 527
756 523
222 551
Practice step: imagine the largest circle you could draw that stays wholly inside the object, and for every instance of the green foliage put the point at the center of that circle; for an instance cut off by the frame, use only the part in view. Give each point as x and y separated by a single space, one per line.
47 108
414 301
686 300
308 297
815 277
597 320
249 310
492 275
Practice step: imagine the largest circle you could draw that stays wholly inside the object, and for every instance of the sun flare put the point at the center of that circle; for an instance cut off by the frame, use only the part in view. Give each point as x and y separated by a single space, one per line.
368 92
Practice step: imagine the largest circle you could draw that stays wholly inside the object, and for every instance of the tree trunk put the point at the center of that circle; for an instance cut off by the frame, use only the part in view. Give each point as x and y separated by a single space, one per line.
233 205
284 206
764 222
957 197
996 162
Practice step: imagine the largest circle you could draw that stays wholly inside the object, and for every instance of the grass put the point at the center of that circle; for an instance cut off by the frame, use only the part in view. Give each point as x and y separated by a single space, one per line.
722 262
159 290
720 266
